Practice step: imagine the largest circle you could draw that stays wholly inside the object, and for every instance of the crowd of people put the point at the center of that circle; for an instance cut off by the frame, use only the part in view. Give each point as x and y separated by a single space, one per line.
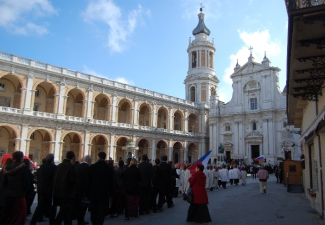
131 188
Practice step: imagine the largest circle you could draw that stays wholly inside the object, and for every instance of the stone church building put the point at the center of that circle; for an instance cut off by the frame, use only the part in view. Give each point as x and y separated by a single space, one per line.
49 109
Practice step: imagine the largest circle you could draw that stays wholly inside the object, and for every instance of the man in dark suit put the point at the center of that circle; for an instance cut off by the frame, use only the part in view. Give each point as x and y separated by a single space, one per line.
65 179
45 179
99 187
168 178
145 185
82 170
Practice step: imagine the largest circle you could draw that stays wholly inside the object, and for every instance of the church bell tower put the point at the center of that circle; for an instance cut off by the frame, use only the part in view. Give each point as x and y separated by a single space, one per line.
201 82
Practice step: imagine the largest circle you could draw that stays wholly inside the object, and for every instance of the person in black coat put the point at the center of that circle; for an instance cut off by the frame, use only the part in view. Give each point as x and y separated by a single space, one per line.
99 187
82 170
132 179
168 178
145 185
65 179
45 180
158 187
120 195
30 194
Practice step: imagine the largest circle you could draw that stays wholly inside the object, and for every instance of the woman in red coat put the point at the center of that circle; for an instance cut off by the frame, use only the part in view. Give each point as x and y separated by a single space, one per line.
198 210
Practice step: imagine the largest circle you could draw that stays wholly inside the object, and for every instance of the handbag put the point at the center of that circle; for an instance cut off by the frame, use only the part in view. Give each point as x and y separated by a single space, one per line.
190 197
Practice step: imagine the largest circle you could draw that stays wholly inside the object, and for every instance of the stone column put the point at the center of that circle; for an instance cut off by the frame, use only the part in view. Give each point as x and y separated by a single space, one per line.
27 147
111 148
271 137
241 151
114 107
86 149
265 137
185 155
236 128
170 152
203 149
89 103
207 93
215 139
153 149
186 121
61 99
29 92
211 136
200 123
171 119
135 112
154 115
24 130
57 144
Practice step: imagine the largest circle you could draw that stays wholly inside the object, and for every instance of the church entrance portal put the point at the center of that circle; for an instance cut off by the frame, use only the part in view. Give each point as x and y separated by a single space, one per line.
255 151
228 156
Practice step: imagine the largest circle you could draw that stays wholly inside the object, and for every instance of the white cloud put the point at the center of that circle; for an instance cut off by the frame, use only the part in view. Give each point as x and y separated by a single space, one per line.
224 94
118 79
16 15
120 28
260 41
124 80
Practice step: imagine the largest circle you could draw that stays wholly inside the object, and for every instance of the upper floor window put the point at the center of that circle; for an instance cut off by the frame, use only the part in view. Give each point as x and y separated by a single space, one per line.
253 102
284 125
254 125
36 107
194 59
193 94
37 93
2 87
228 128
32 136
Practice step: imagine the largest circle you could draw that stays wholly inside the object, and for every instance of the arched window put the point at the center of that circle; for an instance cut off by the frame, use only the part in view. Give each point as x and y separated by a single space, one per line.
193 94
176 158
194 59
254 125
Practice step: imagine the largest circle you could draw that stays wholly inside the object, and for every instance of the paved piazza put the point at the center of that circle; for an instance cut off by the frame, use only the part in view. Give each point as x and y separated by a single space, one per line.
237 205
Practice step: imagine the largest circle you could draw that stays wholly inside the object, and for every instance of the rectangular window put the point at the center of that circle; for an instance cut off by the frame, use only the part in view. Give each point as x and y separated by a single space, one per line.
253 103
228 128
37 93
36 107
32 136
2 87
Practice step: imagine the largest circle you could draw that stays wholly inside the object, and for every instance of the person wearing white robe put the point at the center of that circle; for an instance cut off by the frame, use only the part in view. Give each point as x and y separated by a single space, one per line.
206 173
231 176
216 175
224 176
235 175
211 178
243 175
186 184
181 178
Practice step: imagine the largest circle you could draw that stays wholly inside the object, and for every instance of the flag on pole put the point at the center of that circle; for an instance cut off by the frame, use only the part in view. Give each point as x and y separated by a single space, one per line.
203 160
260 158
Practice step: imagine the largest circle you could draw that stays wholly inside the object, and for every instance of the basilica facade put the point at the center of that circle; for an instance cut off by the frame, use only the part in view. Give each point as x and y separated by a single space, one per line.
49 109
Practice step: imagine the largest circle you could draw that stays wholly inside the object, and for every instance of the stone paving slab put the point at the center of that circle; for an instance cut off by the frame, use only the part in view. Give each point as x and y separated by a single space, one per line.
238 205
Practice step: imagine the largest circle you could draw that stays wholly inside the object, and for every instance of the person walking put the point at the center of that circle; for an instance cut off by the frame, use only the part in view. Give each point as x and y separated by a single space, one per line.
236 174
120 195
198 210
65 179
45 180
168 178
243 176
262 175
145 185
17 184
81 208
224 176
132 179
3 188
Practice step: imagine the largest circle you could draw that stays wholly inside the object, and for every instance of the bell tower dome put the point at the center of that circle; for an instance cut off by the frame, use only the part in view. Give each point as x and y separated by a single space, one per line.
201 82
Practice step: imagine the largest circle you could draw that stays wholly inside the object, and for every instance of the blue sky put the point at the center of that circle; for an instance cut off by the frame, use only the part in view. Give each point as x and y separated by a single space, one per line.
143 42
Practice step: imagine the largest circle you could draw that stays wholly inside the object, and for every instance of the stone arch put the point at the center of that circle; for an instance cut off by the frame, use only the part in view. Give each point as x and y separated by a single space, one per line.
99 143
101 107
177 152
120 153
8 136
193 123
162 118
124 111
145 111
75 105
161 148
11 95
74 142
43 98
192 153
179 120
40 144
144 147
